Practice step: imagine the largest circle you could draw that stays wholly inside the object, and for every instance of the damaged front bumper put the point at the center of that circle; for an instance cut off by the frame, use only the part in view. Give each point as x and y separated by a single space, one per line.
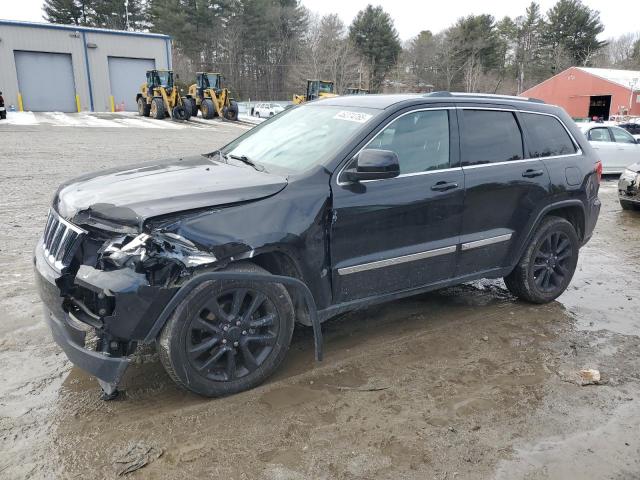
135 311
135 307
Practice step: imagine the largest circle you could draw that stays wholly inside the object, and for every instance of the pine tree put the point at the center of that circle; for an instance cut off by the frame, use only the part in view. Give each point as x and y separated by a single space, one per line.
376 39
574 28
113 14
529 32
66 12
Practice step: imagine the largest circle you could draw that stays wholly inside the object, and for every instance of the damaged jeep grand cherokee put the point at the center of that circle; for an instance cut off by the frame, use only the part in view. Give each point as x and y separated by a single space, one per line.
328 207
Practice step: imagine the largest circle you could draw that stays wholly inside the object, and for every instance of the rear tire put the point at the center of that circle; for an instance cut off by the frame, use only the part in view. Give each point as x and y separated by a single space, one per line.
157 109
144 109
627 205
188 108
178 114
231 113
194 108
548 264
227 336
3 115
208 109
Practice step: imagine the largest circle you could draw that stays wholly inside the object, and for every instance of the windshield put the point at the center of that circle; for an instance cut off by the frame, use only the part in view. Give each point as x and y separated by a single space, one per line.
165 79
212 80
301 138
326 87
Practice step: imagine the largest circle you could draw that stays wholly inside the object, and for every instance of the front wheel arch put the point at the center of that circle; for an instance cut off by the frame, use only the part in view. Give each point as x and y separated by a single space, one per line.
175 338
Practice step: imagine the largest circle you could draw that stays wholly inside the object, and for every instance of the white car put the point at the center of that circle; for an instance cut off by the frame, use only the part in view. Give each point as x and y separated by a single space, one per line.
616 148
266 110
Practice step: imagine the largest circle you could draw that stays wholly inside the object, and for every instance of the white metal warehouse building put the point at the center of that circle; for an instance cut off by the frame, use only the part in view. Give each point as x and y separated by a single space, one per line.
60 68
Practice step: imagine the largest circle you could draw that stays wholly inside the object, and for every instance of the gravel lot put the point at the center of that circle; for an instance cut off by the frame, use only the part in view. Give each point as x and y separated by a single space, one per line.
462 383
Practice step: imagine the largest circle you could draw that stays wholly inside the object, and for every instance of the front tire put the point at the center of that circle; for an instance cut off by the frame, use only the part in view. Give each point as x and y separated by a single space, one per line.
157 109
227 336
548 263
627 205
208 109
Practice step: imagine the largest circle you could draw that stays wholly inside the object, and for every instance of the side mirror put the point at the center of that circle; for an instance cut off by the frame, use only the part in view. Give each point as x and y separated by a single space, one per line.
374 165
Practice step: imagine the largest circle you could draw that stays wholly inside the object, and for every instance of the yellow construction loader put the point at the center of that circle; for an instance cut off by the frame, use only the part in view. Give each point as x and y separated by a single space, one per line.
160 98
209 96
316 89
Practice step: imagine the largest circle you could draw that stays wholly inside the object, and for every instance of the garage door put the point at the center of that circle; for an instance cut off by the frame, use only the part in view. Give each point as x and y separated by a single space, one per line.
126 76
46 81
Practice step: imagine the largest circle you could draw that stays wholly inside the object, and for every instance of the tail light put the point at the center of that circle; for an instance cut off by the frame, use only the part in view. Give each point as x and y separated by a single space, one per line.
599 170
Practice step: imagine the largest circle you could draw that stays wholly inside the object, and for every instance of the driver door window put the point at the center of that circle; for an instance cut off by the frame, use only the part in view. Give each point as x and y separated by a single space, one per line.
420 139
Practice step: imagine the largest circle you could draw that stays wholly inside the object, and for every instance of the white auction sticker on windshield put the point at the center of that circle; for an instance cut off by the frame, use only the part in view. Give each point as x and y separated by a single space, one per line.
357 117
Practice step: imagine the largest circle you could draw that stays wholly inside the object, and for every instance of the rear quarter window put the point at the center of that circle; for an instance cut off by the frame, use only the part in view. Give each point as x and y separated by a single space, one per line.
547 137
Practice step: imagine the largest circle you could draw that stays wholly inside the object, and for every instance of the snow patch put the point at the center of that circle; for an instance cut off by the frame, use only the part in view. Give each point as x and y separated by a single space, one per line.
20 118
250 119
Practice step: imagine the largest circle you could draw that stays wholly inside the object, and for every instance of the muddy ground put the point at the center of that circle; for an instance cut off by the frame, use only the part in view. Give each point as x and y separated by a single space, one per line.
463 383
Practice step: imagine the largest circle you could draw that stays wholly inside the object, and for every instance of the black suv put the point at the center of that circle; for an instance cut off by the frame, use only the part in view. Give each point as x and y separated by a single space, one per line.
328 207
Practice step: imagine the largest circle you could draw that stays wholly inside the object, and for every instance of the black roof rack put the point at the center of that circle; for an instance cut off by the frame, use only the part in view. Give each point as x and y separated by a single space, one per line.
488 96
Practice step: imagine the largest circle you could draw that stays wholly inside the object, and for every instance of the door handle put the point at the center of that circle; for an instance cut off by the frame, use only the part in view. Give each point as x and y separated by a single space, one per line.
444 186
532 173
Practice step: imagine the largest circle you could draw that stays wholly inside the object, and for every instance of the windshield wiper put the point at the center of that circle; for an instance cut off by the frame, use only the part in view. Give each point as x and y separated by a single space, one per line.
246 160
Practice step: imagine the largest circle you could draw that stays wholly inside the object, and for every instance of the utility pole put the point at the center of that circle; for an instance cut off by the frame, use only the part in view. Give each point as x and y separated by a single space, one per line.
126 12
632 84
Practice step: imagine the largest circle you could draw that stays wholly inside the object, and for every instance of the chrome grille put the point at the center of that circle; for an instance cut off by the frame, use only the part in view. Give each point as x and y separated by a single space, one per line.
59 241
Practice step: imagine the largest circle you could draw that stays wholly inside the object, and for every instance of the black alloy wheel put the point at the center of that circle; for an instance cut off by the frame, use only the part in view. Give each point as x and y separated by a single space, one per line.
552 261
547 264
227 336
232 334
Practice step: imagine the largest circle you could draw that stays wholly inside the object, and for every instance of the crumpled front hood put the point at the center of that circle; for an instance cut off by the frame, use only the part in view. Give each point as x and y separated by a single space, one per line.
132 195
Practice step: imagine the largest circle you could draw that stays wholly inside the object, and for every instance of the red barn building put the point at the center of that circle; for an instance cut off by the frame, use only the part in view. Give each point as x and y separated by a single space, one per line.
592 92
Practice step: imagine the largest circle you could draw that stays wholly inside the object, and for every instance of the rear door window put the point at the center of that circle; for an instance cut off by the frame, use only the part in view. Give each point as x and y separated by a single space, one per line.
622 136
490 136
546 136
600 134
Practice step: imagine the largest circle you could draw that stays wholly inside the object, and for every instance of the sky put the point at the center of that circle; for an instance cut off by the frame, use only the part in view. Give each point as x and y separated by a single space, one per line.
410 16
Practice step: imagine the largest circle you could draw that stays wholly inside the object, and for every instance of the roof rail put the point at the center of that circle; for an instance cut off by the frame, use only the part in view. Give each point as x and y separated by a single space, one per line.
489 96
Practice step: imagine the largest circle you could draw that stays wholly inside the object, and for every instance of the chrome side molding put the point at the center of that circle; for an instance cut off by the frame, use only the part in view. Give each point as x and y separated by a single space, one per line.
397 260
363 267
485 241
